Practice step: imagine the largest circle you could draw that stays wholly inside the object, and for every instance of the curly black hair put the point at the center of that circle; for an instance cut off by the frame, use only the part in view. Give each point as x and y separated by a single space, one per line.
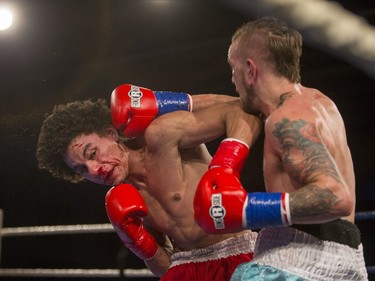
65 123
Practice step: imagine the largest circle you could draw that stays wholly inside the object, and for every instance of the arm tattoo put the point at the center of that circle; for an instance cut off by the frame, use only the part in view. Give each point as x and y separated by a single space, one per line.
303 153
317 199
305 157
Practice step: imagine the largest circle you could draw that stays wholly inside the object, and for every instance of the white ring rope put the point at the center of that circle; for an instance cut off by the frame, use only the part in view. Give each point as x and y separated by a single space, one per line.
56 229
38 272
91 228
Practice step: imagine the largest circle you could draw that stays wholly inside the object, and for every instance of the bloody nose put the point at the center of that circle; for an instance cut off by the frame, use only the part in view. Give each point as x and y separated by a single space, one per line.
102 173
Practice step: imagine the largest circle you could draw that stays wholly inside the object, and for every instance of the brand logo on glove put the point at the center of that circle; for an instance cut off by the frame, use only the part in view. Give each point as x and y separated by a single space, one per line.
217 211
135 95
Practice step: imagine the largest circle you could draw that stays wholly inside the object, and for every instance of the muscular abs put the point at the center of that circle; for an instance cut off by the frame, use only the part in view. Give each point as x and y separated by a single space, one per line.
169 198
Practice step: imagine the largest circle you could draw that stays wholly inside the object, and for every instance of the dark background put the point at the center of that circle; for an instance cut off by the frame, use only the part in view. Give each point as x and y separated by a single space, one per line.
63 50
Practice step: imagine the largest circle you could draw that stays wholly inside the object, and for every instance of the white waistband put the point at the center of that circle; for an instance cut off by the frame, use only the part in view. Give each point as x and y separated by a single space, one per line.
241 244
300 253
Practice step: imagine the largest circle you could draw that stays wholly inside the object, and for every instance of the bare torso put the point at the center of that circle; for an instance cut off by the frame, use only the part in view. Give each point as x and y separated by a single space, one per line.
169 193
308 104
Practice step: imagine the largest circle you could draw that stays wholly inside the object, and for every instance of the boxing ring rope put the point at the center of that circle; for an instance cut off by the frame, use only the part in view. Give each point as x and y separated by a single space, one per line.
73 273
64 272
91 228
56 229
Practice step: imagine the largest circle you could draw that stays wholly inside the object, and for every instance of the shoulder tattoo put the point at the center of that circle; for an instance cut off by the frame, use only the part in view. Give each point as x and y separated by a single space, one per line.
303 153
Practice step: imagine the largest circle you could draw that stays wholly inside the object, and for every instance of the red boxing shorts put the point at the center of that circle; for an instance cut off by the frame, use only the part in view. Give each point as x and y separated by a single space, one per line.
216 262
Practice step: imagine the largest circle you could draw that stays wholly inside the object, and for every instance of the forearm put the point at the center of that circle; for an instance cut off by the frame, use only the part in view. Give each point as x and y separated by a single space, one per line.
202 101
242 126
191 129
319 203
160 263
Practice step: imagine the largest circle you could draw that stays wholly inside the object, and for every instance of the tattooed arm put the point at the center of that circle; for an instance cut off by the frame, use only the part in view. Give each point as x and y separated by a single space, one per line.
305 147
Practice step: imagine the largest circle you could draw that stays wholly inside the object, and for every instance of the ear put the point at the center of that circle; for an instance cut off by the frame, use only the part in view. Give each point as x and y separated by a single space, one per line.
112 133
251 71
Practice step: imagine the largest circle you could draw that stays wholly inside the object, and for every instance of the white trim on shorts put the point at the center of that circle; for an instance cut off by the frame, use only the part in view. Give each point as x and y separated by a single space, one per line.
241 244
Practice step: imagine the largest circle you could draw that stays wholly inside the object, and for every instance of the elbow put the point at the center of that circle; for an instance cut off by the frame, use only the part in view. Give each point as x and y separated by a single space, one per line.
346 202
336 199
160 264
157 272
157 129
349 206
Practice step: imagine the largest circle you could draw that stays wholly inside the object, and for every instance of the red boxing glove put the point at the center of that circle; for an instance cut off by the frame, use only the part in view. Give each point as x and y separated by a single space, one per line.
220 190
133 108
125 209
232 154
221 205
219 202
